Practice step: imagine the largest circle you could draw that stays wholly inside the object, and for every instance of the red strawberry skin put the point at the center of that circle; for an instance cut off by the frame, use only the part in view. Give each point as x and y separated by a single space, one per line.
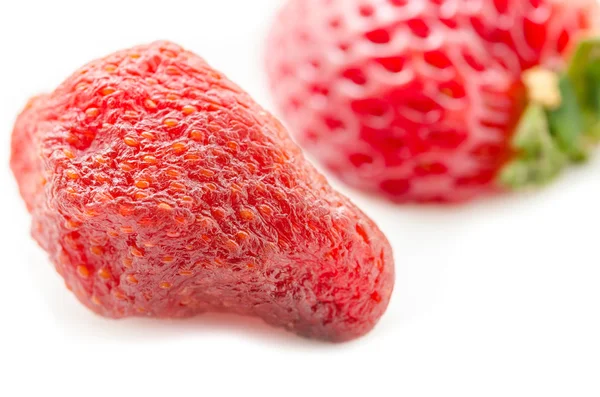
416 100
159 188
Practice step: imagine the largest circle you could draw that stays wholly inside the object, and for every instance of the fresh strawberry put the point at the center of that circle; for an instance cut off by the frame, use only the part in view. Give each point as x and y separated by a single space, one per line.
159 188
425 100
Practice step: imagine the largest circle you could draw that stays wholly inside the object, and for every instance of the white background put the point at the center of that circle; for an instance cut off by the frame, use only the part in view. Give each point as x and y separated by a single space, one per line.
496 298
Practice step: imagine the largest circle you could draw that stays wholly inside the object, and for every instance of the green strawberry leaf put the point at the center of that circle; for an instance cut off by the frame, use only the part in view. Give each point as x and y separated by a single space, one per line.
567 123
547 140
539 158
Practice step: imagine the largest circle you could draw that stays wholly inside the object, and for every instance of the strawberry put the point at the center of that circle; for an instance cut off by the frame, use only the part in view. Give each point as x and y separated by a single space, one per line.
159 188
437 100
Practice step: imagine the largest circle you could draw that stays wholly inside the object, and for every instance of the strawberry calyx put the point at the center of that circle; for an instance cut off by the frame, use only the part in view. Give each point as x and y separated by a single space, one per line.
561 122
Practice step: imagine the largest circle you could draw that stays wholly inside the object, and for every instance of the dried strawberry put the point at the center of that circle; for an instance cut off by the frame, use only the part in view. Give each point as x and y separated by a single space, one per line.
159 188
426 100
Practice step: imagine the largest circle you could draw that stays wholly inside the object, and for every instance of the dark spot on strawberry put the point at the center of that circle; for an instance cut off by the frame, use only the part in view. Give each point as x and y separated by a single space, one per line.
471 60
437 59
425 169
392 64
447 138
379 36
366 10
355 75
333 123
395 187
359 159
419 28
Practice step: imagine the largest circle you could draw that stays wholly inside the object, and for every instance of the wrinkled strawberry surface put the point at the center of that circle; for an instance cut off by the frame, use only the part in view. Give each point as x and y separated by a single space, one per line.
159 188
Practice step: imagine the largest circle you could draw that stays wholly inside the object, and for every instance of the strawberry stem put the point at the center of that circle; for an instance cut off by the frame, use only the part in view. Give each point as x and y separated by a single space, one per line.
561 123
